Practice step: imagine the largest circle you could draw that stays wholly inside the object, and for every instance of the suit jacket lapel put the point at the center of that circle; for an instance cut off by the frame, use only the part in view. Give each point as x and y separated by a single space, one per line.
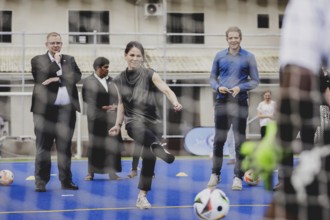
98 84
46 58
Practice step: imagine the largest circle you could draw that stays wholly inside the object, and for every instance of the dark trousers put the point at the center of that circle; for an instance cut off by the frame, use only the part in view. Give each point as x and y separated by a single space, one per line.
263 131
57 124
227 113
145 135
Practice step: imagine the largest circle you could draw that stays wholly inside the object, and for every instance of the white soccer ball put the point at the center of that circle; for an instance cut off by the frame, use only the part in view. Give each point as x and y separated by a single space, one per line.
211 204
251 178
6 177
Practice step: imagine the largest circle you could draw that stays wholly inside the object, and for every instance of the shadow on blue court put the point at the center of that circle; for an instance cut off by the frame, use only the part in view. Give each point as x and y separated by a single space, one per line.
173 191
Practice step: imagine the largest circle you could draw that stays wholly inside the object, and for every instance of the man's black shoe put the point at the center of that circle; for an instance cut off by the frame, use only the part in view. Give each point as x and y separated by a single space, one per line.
69 186
40 187
159 151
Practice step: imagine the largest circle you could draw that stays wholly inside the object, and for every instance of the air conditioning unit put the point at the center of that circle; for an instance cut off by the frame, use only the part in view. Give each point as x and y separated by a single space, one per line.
153 9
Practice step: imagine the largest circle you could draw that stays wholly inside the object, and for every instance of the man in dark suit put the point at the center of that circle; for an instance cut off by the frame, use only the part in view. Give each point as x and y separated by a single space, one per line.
54 105
101 97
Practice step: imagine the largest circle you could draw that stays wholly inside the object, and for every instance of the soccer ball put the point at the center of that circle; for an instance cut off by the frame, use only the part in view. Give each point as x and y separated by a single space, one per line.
211 204
251 178
6 177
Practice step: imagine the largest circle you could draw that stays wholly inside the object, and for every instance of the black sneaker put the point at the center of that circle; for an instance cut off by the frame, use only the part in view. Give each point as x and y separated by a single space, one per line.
40 187
69 186
159 151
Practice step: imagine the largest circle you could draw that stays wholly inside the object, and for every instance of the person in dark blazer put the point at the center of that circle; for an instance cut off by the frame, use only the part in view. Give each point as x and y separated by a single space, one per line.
54 105
101 96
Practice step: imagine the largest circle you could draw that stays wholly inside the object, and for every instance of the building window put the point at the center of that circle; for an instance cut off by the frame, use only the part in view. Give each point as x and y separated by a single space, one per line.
5 26
89 21
280 21
263 21
185 23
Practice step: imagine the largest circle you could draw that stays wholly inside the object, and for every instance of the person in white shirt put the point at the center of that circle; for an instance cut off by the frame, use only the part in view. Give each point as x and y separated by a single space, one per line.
266 111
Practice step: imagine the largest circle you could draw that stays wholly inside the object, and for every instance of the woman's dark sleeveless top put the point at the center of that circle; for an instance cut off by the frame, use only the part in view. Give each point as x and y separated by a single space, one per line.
138 94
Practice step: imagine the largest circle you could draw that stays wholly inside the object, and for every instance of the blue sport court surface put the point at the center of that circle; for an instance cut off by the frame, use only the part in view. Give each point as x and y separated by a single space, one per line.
173 191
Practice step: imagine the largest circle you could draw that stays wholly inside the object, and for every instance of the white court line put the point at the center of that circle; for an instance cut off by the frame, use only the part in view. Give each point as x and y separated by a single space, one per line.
123 208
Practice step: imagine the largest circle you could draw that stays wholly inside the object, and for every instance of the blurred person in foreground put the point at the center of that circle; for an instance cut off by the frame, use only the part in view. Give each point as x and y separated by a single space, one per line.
234 73
305 46
101 97
137 87
54 105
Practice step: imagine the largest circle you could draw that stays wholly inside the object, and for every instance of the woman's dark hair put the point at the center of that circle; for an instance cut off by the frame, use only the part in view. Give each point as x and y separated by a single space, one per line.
136 44
99 62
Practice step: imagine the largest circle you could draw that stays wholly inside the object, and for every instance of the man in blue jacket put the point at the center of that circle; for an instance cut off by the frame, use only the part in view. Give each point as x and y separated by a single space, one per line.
234 73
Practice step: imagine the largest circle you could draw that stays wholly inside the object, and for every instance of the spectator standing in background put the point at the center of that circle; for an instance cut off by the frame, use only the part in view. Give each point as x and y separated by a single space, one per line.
54 105
101 96
234 73
266 111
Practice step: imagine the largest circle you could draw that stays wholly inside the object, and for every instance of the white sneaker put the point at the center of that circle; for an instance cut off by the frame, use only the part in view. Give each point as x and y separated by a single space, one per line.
237 184
214 180
143 203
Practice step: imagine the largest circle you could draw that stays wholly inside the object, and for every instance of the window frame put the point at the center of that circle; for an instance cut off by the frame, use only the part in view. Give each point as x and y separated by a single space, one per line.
77 19
263 21
177 19
5 26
